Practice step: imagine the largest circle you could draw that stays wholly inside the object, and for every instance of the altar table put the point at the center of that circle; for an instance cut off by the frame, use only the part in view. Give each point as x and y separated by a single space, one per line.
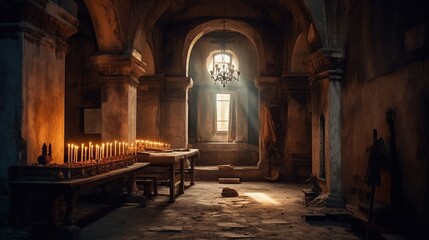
174 162
21 189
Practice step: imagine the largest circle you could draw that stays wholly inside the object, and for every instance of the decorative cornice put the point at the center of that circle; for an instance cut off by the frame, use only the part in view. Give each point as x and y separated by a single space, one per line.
46 16
324 62
43 23
118 65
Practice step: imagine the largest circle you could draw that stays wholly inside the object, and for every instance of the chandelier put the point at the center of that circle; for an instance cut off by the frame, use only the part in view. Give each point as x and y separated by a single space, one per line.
223 69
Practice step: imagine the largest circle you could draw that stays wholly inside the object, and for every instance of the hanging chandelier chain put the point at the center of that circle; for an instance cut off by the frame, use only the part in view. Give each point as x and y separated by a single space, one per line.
224 71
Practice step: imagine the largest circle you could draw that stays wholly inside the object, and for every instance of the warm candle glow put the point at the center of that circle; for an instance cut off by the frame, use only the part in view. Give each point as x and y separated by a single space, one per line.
115 147
68 152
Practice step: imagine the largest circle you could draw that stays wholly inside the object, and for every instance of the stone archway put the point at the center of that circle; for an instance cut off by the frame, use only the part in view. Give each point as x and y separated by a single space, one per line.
216 25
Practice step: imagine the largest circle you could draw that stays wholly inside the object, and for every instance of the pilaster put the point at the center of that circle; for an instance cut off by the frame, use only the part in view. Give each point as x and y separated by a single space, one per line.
33 44
326 69
119 80
296 114
175 111
149 107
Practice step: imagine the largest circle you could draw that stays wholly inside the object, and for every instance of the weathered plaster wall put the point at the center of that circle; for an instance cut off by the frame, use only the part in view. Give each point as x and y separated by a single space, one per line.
381 42
82 89
32 103
10 106
149 109
175 111
43 97
297 132
319 91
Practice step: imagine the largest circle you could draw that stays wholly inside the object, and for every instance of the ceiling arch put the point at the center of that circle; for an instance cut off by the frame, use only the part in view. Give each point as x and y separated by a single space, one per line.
216 25
123 25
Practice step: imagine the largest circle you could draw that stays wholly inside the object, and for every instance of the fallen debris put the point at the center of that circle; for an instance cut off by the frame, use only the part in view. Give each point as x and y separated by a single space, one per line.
235 235
274 221
229 192
230 225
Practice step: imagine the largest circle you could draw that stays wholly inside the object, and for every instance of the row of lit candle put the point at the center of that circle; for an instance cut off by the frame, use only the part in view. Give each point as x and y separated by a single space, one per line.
141 144
84 153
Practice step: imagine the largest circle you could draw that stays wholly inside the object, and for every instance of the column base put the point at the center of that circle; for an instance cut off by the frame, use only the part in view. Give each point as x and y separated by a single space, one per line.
335 200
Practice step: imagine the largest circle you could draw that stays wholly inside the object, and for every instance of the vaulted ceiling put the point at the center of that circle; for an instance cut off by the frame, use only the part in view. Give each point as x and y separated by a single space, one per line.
121 26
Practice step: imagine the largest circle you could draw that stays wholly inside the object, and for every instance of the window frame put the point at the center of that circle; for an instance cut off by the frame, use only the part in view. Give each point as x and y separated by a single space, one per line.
217 132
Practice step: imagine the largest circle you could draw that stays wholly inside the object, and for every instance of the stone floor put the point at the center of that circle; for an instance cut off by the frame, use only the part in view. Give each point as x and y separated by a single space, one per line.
262 211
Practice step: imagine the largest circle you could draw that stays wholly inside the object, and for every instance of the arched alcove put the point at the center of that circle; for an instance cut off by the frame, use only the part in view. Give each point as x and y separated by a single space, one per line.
216 25
239 145
299 53
148 59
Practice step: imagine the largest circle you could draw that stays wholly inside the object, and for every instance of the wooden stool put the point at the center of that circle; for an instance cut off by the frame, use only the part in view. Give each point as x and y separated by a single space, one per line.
149 185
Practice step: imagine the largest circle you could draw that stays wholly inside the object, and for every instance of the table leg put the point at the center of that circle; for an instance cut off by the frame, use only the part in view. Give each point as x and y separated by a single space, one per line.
70 198
171 175
130 183
192 161
182 177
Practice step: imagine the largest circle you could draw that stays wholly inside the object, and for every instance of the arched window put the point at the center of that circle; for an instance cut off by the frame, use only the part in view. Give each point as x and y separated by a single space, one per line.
217 56
223 66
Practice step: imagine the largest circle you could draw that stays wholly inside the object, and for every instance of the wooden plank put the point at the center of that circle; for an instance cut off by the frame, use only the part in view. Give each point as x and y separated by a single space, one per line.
229 180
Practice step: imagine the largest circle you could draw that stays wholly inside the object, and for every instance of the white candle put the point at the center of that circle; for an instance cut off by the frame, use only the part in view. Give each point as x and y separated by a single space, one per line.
81 153
111 145
86 154
123 148
68 153
119 148
115 148
102 150
71 153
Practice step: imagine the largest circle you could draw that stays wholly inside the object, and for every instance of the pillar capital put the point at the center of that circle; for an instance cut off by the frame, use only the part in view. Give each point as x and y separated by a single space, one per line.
118 66
43 22
325 63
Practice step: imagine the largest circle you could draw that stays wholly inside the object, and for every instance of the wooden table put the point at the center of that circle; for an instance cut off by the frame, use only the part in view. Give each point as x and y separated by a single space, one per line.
21 189
174 162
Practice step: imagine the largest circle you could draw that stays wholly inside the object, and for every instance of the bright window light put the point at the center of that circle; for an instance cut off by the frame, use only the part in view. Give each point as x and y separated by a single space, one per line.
262 198
222 112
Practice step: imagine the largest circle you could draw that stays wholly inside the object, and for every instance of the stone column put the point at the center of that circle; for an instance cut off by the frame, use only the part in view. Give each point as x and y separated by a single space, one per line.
297 120
269 93
175 111
326 69
149 108
118 76
32 87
